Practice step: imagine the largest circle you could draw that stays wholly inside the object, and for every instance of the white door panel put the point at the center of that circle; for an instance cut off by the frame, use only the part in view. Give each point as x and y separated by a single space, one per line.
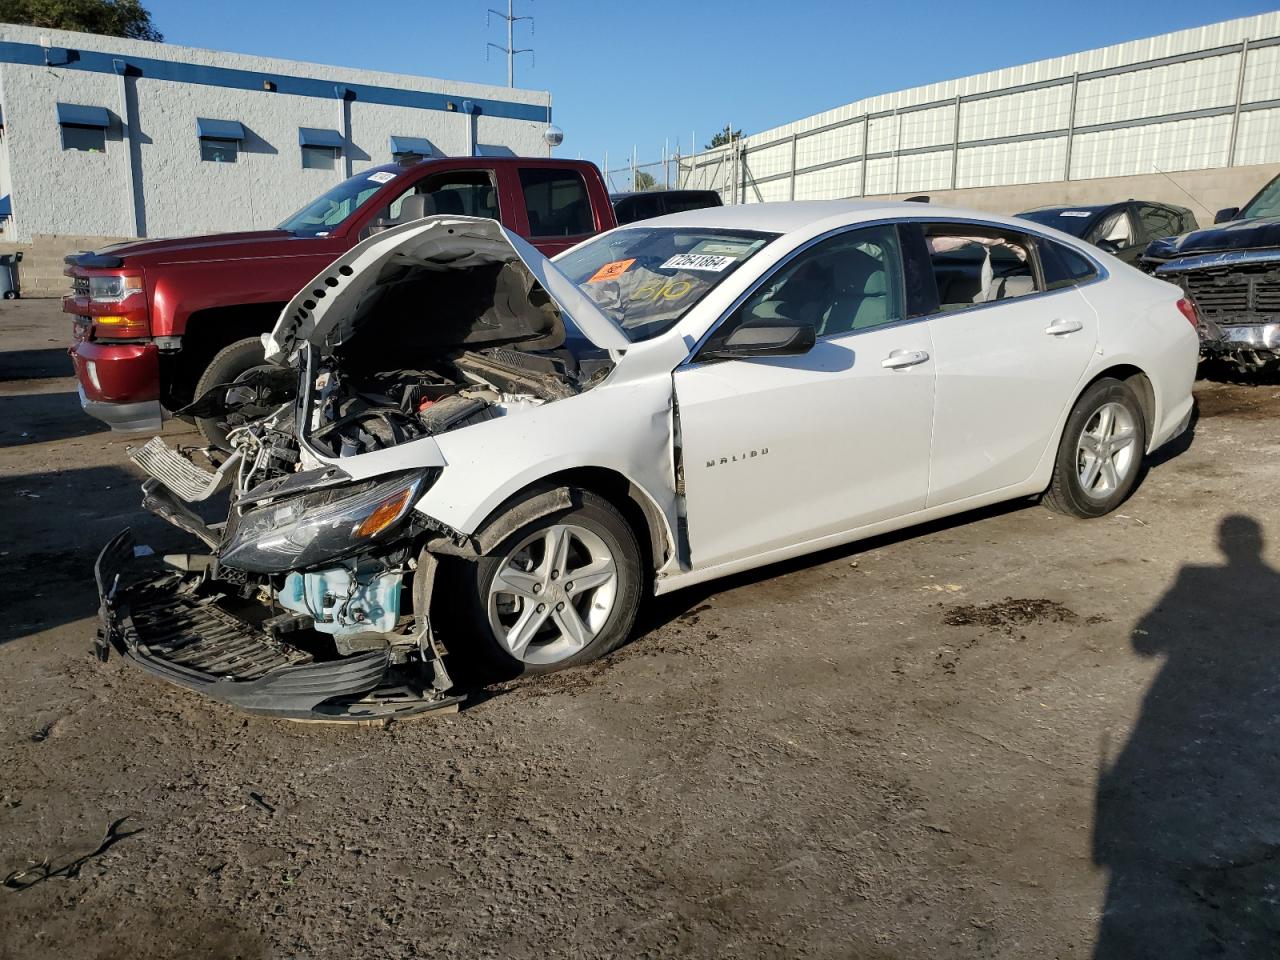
1005 371
779 451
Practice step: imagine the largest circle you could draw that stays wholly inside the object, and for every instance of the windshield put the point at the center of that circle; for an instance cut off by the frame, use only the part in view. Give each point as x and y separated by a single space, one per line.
330 210
645 280
1265 204
1067 220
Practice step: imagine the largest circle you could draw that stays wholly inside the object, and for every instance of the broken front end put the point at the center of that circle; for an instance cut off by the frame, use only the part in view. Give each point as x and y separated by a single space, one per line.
1237 296
312 598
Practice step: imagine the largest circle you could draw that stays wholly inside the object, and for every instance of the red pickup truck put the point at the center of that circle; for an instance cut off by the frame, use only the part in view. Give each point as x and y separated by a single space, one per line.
157 322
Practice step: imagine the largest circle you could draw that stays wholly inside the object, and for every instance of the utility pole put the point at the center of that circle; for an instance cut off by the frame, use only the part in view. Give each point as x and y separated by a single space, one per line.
510 49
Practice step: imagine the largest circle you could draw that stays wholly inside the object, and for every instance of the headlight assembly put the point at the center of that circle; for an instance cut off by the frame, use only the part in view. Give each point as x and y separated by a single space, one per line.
113 287
313 528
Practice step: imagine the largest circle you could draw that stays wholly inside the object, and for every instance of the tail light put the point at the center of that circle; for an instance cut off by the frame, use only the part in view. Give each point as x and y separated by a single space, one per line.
1188 310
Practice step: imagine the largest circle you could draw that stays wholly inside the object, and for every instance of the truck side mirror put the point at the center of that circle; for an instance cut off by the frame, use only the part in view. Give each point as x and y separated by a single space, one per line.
1226 214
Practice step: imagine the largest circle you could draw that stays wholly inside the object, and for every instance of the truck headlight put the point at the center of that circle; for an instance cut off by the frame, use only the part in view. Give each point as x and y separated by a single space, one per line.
114 287
319 527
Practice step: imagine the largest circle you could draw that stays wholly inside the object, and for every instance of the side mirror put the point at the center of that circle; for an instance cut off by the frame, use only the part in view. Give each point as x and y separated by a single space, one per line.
1109 246
774 338
1226 214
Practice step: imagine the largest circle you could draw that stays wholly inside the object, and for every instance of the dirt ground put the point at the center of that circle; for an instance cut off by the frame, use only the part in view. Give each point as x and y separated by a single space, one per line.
1011 735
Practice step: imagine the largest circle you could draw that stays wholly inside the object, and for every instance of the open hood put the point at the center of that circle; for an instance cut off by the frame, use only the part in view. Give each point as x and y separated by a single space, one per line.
327 310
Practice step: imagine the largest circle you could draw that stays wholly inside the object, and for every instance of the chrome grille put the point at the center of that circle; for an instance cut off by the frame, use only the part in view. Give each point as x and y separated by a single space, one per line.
1249 292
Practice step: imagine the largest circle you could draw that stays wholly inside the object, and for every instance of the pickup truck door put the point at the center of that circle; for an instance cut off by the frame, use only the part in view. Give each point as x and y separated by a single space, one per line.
557 207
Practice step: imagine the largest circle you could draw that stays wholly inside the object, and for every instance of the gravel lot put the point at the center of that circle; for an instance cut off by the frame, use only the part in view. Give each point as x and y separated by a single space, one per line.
1011 735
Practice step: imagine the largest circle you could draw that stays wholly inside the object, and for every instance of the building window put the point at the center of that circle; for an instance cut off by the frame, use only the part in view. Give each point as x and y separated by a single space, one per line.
407 158
86 139
319 158
219 151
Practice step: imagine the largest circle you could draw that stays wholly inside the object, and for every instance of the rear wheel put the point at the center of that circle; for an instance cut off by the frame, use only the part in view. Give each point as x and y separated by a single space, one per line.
561 590
1100 454
228 365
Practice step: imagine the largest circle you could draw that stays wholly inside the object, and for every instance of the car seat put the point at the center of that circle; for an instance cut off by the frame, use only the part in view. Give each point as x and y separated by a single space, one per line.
862 301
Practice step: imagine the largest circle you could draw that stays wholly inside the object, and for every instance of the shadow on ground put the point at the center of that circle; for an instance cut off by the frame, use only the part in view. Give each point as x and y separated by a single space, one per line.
1188 816
35 364
43 417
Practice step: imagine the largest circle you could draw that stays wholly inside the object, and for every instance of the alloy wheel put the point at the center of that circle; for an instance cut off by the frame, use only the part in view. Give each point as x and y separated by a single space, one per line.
552 594
1107 450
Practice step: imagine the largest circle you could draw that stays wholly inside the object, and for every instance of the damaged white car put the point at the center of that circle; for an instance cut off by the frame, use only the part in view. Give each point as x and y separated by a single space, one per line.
461 450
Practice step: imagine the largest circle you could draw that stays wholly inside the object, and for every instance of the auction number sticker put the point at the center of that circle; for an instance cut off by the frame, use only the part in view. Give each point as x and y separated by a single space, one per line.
1074 213
382 176
611 271
698 261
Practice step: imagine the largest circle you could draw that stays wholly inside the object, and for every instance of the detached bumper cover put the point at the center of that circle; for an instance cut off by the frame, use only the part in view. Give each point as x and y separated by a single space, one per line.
173 633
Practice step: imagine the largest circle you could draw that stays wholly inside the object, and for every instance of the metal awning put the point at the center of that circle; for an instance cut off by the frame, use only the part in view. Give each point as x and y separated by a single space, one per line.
313 137
6 206
219 129
419 145
77 115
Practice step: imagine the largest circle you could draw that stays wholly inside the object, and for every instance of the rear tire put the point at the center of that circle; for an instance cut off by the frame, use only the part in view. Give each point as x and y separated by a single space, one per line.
1101 452
229 363
521 612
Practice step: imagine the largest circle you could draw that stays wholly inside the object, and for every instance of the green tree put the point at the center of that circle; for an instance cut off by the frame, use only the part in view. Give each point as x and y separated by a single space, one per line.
112 18
644 181
724 138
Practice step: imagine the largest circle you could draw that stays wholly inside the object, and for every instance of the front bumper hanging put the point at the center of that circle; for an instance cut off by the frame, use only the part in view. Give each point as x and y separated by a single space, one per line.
175 632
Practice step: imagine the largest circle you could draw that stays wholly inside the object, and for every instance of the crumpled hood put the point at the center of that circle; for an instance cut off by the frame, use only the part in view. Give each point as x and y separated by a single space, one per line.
324 310
1255 234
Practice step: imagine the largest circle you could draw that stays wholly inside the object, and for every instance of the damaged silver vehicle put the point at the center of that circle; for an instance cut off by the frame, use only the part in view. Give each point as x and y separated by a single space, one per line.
1231 271
459 451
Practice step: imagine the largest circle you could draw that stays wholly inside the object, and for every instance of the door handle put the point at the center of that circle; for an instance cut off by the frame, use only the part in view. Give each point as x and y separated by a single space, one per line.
903 358
1062 327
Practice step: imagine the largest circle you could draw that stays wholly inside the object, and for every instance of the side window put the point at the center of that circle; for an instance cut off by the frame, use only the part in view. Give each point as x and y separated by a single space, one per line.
1115 229
556 202
1062 266
977 264
470 193
1187 222
846 283
1157 222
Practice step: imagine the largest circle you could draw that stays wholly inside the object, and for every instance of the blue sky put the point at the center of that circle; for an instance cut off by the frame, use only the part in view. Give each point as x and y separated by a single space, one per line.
639 73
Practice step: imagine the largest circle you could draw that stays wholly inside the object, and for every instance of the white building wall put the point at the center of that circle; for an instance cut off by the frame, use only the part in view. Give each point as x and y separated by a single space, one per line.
1116 111
57 191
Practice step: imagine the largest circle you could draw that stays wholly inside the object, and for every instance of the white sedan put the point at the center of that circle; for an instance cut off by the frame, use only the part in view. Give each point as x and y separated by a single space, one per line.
662 405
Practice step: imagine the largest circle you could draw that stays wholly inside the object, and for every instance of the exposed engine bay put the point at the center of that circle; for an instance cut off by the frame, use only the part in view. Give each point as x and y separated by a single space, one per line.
314 600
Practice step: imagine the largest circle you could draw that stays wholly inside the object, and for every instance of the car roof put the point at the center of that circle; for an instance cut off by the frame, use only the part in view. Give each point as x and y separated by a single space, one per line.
1083 207
790 216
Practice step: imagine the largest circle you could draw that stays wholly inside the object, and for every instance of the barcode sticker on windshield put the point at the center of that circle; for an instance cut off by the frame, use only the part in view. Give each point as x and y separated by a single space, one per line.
382 176
696 261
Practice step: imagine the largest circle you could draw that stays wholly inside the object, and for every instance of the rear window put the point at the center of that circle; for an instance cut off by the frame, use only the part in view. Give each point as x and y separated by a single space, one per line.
556 202
1062 266
1068 220
646 279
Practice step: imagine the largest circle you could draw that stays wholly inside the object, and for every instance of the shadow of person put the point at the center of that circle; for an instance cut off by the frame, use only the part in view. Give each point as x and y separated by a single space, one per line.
1187 820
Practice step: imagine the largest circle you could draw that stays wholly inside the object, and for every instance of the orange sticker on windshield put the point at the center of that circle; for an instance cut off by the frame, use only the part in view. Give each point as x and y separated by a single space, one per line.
611 271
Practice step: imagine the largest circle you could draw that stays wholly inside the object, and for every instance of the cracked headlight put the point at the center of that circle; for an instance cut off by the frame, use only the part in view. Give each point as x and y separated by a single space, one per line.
323 526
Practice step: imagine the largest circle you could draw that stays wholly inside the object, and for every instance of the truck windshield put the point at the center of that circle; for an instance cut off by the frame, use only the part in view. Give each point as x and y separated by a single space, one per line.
645 280
1265 204
330 210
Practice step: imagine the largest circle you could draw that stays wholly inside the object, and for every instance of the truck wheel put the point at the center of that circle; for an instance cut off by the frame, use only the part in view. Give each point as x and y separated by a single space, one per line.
227 366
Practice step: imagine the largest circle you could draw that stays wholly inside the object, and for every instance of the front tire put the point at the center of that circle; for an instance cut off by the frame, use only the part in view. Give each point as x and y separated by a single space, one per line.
560 591
1101 451
229 363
